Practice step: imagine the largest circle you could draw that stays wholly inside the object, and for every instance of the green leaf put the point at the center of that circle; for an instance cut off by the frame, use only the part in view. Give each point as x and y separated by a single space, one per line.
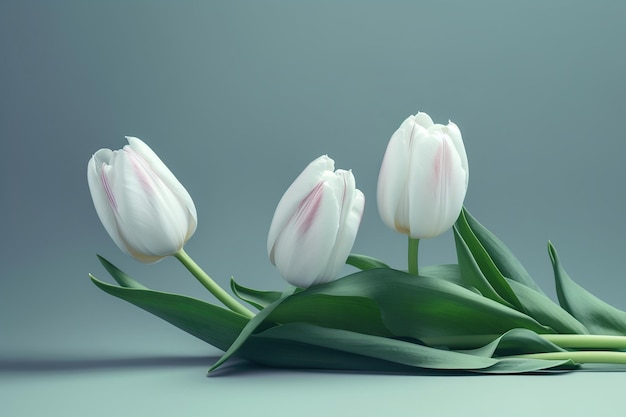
387 302
299 344
215 325
447 272
364 262
387 349
598 316
425 306
516 342
501 255
255 323
547 312
487 278
395 352
536 304
471 275
119 276
284 353
257 298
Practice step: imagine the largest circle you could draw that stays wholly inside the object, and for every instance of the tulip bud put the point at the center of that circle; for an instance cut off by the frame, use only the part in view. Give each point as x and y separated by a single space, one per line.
315 224
423 178
143 207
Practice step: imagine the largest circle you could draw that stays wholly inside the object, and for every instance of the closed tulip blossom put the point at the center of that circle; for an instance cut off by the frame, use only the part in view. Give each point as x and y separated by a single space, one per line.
146 211
315 224
143 207
423 178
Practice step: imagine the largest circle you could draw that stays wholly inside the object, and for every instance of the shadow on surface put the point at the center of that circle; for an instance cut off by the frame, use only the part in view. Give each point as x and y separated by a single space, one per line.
84 364
234 367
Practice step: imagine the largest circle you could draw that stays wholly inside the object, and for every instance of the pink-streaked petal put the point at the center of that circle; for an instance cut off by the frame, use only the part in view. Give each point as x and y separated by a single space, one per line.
155 165
101 198
436 186
302 249
297 191
149 216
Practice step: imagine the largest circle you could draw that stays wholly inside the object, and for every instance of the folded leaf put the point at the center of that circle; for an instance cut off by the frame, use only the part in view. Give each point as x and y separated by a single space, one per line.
503 258
210 323
257 298
547 312
364 262
119 276
398 352
599 317
387 302
479 269
536 304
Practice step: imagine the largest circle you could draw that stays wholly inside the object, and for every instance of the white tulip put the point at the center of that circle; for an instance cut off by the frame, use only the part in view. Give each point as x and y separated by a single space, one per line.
423 178
315 224
143 207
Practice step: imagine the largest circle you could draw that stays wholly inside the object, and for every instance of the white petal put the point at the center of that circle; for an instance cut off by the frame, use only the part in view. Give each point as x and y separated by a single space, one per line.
302 249
392 178
436 186
101 194
423 120
151 221
452 130
161 170
352 213
297 191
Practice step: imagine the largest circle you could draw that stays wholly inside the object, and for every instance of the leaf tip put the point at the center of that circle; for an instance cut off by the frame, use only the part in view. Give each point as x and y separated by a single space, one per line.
554 256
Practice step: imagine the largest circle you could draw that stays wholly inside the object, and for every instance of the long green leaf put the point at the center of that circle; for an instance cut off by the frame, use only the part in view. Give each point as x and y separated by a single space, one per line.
598 316
215 325
394 351
422 306
119 276
257 298
407 306
255 323
547 312
391 350
488 278
501 255
364 262
516 342
447 272
536 304
384 302
284 353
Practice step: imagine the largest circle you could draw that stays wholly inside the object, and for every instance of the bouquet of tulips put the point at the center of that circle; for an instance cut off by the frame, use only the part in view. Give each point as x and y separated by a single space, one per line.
483 314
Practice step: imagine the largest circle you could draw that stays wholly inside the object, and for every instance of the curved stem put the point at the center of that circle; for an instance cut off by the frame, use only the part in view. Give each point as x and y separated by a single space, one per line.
586 341
585 356
211 285
413 249
566 341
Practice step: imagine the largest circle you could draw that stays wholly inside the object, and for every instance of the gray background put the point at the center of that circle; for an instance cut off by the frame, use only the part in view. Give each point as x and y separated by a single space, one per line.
237 97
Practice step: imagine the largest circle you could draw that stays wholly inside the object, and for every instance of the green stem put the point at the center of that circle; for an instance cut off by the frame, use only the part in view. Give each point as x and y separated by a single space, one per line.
579 356
566 341
413 246
211 285
586 341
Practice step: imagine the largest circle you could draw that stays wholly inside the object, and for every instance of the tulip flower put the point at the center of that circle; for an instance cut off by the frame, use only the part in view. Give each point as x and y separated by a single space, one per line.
143 207
315 224
423 178
146 211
